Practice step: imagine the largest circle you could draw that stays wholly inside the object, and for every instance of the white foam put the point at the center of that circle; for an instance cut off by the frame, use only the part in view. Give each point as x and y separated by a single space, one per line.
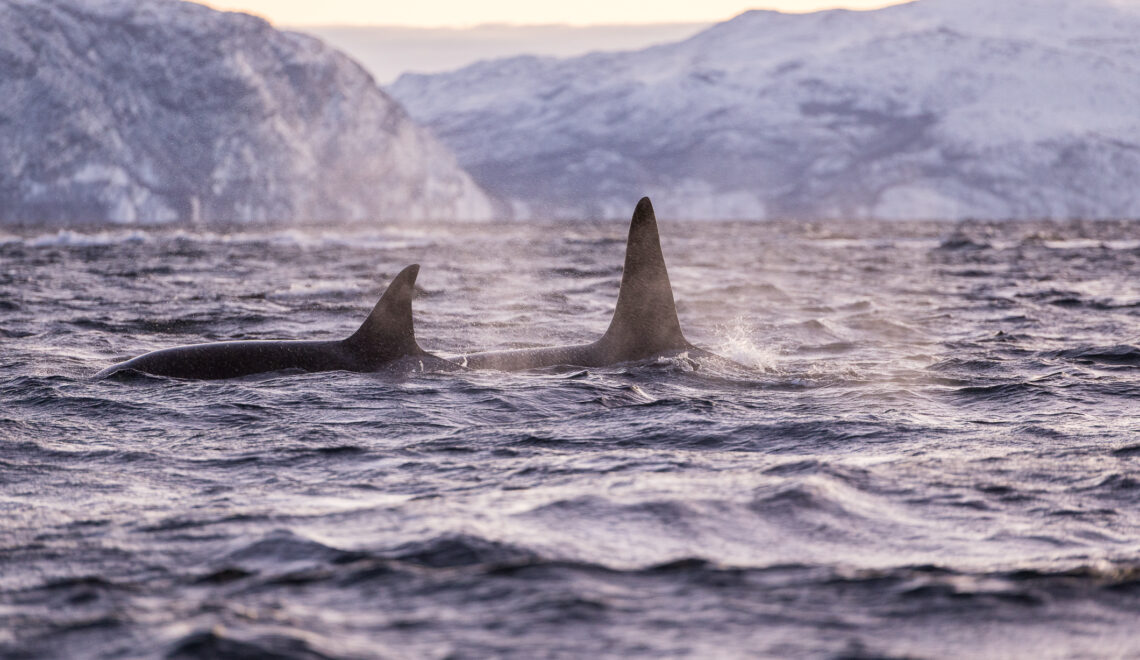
70 238
318 288
736 341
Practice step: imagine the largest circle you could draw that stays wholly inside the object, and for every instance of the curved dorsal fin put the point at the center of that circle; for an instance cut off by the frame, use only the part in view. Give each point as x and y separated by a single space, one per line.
388 333
645 319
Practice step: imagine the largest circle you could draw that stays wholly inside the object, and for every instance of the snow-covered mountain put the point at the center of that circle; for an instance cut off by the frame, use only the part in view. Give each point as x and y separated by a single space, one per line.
933 109
161 110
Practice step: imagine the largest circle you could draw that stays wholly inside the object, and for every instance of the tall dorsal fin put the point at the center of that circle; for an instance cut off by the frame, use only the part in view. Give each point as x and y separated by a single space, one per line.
645 320
388 333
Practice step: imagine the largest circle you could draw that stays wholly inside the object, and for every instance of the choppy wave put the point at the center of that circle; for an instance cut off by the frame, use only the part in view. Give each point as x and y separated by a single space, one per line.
910 430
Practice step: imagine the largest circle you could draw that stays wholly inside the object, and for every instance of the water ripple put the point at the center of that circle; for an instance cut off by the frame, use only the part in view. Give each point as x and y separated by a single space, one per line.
917 427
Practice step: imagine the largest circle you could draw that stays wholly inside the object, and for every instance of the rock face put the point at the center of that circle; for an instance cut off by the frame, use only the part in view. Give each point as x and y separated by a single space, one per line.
167 111
933 109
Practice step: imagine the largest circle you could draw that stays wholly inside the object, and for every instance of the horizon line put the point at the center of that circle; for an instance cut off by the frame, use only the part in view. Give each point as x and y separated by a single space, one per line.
502 24
569 24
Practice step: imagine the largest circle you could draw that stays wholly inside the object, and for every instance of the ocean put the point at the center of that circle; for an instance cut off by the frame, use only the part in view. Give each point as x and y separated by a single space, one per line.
926 445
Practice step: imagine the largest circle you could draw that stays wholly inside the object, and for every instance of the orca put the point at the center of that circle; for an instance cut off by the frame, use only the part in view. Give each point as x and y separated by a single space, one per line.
644 323
385 336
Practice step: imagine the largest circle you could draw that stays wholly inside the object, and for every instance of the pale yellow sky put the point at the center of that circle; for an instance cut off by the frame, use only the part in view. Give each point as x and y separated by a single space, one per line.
466 13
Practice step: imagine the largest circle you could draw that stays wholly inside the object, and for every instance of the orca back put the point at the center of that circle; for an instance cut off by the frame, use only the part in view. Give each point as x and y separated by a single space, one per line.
388 333
645 319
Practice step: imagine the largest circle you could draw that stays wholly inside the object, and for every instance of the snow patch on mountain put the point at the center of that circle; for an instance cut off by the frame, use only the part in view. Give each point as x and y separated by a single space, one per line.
167 111
933 109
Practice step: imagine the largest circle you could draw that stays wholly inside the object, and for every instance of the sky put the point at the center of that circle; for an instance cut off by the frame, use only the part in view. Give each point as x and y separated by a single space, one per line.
388 51
467 13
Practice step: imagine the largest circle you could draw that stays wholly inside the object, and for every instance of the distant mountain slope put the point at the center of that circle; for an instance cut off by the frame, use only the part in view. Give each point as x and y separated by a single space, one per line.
934 109
163 111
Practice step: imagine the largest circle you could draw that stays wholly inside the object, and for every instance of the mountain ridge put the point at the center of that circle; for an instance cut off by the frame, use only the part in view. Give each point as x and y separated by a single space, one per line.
928 110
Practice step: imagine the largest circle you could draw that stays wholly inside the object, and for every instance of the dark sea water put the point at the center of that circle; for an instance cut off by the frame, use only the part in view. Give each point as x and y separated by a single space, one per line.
931 448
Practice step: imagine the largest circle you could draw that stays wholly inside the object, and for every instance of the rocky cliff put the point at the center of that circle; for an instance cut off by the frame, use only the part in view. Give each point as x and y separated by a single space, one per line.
167 111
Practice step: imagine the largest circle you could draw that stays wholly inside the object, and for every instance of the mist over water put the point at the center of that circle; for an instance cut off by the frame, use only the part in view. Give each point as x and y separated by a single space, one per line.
926 444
